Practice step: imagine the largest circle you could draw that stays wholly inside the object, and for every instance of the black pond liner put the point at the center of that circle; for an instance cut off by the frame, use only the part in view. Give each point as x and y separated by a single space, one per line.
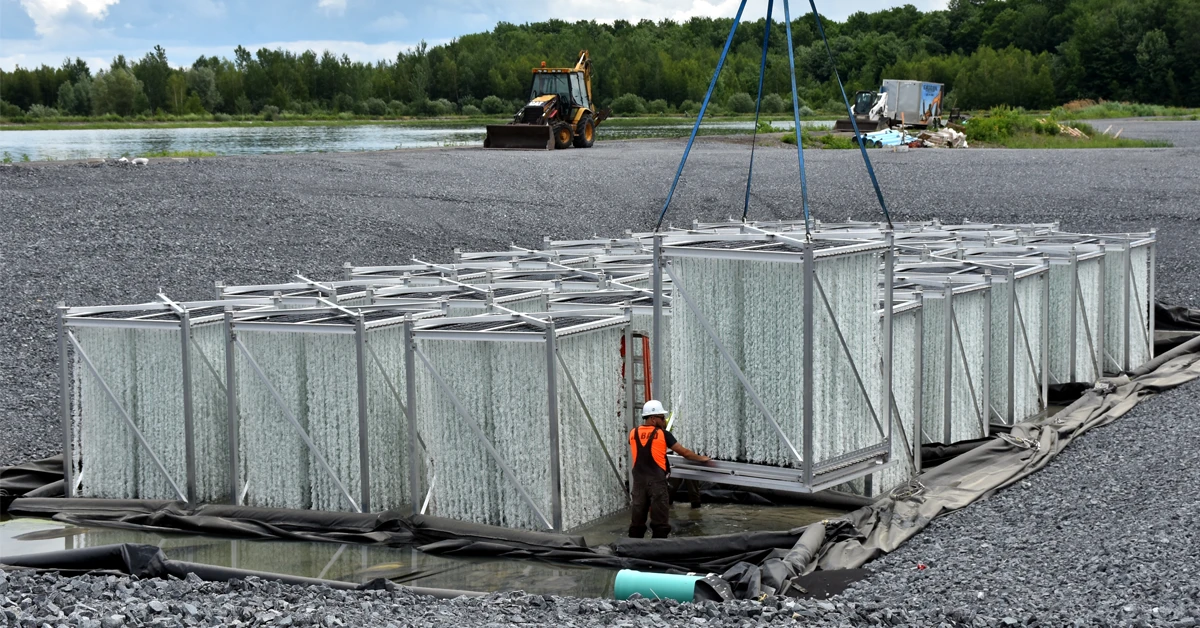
802 562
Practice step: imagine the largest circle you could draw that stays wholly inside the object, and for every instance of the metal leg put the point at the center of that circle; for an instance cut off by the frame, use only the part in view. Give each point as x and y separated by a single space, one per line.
189 434
364 435
986 396
231 412
918 384
1127 357
555 460
656 325
889 257
1101 347
1010 412
1150 293
410 391
64 404
1072 331
806 364
948 388
629 379
1046 337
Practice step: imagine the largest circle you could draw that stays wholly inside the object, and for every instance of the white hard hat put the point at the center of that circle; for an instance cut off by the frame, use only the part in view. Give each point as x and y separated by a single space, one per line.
653 408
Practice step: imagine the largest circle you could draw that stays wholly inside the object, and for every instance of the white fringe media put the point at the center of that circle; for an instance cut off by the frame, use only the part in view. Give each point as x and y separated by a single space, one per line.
755 310
503 386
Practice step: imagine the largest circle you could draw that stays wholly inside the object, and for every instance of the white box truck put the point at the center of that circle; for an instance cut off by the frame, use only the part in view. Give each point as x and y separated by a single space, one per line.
912 103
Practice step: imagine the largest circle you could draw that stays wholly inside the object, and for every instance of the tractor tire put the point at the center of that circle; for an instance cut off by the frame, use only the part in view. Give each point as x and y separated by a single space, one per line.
587 132
562 136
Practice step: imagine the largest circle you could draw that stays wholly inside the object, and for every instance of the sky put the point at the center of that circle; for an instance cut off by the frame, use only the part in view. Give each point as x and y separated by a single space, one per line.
33 32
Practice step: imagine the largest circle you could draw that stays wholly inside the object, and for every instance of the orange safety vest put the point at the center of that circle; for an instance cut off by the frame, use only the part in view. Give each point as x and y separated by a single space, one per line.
651 443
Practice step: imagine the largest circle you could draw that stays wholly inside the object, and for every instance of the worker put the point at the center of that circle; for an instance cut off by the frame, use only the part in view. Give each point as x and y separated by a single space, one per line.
648 445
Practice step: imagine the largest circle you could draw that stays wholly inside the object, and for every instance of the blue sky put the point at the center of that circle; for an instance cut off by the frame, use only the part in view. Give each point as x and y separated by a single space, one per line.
33 32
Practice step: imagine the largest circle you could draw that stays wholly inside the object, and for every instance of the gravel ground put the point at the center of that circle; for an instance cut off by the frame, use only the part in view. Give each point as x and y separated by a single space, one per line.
1103 536
114 234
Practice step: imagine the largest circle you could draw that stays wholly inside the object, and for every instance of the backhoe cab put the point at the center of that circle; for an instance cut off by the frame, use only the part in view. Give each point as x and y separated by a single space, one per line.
559 113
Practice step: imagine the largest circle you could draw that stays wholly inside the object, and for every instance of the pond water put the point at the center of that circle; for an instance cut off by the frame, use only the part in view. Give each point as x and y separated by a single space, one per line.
112 143
361 563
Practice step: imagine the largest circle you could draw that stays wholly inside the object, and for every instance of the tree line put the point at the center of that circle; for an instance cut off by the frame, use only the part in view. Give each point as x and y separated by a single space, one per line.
1022 53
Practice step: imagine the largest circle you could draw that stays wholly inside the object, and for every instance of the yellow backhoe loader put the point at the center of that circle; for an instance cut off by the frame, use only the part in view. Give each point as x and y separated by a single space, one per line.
560 112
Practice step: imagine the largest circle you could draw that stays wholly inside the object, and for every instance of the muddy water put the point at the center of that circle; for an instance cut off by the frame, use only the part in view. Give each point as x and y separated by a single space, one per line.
355 563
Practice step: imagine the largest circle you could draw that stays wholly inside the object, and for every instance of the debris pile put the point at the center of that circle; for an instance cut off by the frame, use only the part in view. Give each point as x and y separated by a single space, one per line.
944 138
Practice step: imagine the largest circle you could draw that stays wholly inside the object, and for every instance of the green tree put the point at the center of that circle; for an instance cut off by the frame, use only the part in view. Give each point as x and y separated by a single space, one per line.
203 83
154 73
118 91
177 92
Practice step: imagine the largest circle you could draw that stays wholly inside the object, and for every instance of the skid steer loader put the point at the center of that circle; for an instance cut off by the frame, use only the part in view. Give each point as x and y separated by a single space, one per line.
559 114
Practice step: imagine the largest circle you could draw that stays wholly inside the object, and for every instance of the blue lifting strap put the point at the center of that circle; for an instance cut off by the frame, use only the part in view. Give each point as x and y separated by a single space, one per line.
762 73
700 116
787 19
849 111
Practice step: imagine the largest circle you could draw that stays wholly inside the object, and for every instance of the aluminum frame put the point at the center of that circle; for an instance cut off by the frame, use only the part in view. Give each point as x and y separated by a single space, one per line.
811 475
507 332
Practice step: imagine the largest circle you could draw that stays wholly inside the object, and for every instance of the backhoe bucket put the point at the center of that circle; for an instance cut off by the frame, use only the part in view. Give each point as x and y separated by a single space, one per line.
865 124
529 136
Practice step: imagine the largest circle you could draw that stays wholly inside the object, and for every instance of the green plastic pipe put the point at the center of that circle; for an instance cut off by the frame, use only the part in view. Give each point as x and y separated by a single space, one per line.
654 585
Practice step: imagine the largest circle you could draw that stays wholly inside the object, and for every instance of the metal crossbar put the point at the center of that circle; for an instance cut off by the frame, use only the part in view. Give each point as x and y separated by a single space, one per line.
287 414
124 414
677 286
478 431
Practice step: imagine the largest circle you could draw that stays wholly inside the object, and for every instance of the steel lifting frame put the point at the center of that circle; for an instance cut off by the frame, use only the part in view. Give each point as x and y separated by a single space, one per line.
811 476
549 337
947 287
336 324
1119 359
141 316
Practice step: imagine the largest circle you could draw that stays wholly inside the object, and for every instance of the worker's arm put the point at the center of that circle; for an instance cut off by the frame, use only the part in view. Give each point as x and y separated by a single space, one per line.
689 454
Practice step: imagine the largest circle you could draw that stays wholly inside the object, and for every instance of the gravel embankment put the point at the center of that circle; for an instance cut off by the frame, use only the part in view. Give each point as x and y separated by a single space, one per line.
1103 536
107 235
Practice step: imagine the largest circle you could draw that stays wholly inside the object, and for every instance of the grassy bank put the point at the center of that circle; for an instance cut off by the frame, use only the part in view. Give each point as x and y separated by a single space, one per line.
1014 128
1091 110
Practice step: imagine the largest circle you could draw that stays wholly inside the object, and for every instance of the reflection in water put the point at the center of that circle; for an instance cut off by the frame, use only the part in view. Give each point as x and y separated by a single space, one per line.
360 563
112 143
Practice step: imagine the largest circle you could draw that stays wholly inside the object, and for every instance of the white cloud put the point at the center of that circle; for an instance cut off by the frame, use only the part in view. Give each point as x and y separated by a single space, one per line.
393 22
50 15
32 53
332 6
208 8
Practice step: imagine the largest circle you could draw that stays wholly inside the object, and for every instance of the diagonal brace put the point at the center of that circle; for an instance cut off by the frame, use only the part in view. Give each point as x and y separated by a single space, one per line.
591 421
125 415
474 425
849 358
312 447
677 286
